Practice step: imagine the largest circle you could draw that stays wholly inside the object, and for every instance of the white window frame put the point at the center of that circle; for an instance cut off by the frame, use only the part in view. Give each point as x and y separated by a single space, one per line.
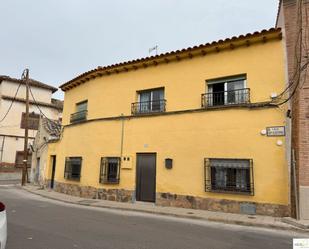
224 81
151 96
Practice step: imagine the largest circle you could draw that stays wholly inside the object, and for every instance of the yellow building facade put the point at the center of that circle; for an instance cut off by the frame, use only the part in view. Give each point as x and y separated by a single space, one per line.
195 128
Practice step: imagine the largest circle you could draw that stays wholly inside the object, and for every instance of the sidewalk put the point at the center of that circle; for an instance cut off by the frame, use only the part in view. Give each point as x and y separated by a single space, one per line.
229 218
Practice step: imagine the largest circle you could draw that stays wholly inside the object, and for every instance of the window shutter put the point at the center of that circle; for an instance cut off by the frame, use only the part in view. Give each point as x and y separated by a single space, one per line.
67 169
118 168
109 170
207 173
103 169
230 163
33 121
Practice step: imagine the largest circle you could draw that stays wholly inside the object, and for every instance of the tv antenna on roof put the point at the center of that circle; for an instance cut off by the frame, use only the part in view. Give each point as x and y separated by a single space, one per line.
155 48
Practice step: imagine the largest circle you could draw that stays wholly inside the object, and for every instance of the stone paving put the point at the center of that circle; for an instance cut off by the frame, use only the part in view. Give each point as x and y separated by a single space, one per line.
229 218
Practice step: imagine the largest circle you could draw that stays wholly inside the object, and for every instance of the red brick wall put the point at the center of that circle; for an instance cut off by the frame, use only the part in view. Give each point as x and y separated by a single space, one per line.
300 101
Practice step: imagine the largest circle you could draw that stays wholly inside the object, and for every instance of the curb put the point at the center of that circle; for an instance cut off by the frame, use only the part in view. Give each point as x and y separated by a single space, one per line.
189 216
296 223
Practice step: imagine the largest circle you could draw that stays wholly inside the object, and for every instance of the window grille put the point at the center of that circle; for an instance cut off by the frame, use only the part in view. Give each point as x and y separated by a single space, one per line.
110 170
72 170
229 175
223 98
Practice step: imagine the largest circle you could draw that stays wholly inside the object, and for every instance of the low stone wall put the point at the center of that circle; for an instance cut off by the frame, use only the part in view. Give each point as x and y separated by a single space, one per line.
120 195
174 200
8 176
222 205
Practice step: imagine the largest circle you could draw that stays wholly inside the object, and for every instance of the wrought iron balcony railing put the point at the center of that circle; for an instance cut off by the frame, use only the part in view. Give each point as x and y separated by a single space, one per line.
148 107
78 116
234 97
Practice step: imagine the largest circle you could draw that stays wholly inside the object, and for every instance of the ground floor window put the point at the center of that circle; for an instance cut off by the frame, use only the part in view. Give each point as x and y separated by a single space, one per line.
229 175
110 170
19 159
73 167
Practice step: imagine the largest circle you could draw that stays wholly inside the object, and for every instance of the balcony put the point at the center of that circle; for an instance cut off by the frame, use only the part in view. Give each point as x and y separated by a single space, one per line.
145 107
78 116
226 98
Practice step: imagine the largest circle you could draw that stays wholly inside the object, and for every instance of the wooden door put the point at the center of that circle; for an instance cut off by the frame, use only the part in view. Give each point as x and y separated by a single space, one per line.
146 177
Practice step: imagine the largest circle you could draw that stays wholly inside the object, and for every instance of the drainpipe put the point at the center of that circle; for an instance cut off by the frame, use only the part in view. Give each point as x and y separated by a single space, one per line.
122 136
295 184
2 148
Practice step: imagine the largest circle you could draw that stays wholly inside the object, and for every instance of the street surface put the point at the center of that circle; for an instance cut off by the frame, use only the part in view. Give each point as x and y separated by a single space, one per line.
38 223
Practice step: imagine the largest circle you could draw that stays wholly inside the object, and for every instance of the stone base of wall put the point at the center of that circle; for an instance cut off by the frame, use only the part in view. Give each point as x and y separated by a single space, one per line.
120 195
9 167
174 200
221 205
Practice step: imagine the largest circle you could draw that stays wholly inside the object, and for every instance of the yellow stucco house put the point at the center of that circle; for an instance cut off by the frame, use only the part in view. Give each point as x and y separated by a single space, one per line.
195 128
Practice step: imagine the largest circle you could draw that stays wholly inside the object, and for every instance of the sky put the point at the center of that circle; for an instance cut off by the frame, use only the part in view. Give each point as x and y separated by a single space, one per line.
60 39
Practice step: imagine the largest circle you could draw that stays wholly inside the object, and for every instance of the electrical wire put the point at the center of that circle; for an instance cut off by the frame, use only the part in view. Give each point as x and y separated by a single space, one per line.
9 109
305 44
37 105
296 88
300 45
296 58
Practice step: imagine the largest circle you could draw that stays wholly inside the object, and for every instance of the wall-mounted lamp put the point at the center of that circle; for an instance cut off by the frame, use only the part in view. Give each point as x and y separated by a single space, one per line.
263 132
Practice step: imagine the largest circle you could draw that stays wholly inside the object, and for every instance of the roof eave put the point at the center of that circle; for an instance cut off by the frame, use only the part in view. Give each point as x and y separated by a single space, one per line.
203 49
32 82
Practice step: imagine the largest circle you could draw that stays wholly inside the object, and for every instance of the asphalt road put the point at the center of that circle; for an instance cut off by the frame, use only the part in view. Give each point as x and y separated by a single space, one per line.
38 223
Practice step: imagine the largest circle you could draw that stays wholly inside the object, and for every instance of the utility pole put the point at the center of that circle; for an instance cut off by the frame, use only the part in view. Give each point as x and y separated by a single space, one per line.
25 77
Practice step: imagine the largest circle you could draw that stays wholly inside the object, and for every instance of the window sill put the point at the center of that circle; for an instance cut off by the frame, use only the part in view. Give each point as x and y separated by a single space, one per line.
78 121
230 192
73 179
146 113
110 183
226 106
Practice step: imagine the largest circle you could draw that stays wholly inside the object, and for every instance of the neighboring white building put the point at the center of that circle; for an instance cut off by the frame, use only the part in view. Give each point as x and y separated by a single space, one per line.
12 127
49 131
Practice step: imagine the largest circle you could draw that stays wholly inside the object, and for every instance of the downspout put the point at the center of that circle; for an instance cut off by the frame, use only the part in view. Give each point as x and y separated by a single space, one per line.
122 137
2 149
295 184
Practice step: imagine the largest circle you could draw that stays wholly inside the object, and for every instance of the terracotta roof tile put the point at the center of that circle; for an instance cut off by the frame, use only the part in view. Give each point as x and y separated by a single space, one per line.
151 58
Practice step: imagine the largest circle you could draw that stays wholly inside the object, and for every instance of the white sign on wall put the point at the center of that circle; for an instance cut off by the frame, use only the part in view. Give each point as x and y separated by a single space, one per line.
300 243
275 131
